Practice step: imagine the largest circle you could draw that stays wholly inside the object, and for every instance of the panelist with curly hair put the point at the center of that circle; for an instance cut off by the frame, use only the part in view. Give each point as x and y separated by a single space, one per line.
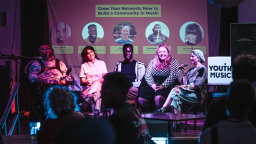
92 72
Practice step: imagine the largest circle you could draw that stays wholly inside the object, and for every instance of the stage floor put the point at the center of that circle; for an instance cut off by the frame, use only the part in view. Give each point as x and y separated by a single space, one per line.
191 136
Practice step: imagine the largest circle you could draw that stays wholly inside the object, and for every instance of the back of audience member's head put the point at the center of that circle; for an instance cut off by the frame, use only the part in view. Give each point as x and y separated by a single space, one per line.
118 81
240 99
60 101
244 67
89 131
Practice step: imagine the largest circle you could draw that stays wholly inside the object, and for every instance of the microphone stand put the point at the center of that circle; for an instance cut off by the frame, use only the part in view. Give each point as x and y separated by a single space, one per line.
17 117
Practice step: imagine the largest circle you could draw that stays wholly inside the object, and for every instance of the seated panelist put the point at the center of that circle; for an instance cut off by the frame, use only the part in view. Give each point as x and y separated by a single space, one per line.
161 72
91 75
133 69
49 70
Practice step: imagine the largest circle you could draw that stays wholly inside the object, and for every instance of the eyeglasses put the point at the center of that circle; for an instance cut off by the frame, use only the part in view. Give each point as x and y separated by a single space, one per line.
45 48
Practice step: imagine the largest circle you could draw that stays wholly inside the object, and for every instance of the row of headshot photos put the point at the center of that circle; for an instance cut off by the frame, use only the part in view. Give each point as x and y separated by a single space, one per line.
191 33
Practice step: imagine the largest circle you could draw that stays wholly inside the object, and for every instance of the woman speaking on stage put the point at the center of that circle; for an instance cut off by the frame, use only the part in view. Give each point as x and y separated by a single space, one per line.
160 73
91 75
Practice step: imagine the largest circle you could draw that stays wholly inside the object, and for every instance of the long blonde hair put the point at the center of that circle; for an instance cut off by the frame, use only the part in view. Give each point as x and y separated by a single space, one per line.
162 65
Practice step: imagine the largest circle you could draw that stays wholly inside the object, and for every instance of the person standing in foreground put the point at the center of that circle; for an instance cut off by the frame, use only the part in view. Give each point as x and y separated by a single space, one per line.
130 127
236 129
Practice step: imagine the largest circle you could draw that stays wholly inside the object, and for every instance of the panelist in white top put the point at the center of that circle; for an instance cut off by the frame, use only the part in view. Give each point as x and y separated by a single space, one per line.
91 75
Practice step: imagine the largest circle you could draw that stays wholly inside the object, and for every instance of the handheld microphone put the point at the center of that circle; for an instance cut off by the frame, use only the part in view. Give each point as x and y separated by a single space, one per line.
183 65
68 71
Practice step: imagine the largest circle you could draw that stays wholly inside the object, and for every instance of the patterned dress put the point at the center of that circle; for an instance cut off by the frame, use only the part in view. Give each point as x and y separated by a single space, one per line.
163 77
196 76
51 76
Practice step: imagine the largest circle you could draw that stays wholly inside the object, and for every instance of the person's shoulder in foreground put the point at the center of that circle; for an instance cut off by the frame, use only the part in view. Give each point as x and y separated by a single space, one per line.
233 132
130 127
236 129
89 131
215 113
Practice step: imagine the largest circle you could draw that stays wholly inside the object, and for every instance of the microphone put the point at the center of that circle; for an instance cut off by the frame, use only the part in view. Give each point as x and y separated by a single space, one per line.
68 71
183 65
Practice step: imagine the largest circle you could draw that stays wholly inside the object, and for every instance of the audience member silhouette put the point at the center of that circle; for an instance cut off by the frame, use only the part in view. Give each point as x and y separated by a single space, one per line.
60 105
128 124
236 129
86 131
244 67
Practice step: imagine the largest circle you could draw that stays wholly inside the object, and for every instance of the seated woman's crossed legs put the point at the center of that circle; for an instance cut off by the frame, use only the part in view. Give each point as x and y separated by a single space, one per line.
93 93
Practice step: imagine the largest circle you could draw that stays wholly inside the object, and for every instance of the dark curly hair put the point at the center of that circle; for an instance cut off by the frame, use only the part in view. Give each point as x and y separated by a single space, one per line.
244 67
61 100
84 54
118 81
241 96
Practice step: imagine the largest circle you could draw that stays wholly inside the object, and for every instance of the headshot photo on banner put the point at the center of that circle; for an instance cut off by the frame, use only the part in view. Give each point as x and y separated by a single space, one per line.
124 33
191 33
92 33
60 32
108 25
157 33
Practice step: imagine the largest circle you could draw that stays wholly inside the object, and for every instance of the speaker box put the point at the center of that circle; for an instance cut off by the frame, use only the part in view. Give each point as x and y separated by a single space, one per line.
243 39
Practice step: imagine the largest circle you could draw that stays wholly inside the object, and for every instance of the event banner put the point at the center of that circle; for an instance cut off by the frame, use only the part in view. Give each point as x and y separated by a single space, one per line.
108 25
